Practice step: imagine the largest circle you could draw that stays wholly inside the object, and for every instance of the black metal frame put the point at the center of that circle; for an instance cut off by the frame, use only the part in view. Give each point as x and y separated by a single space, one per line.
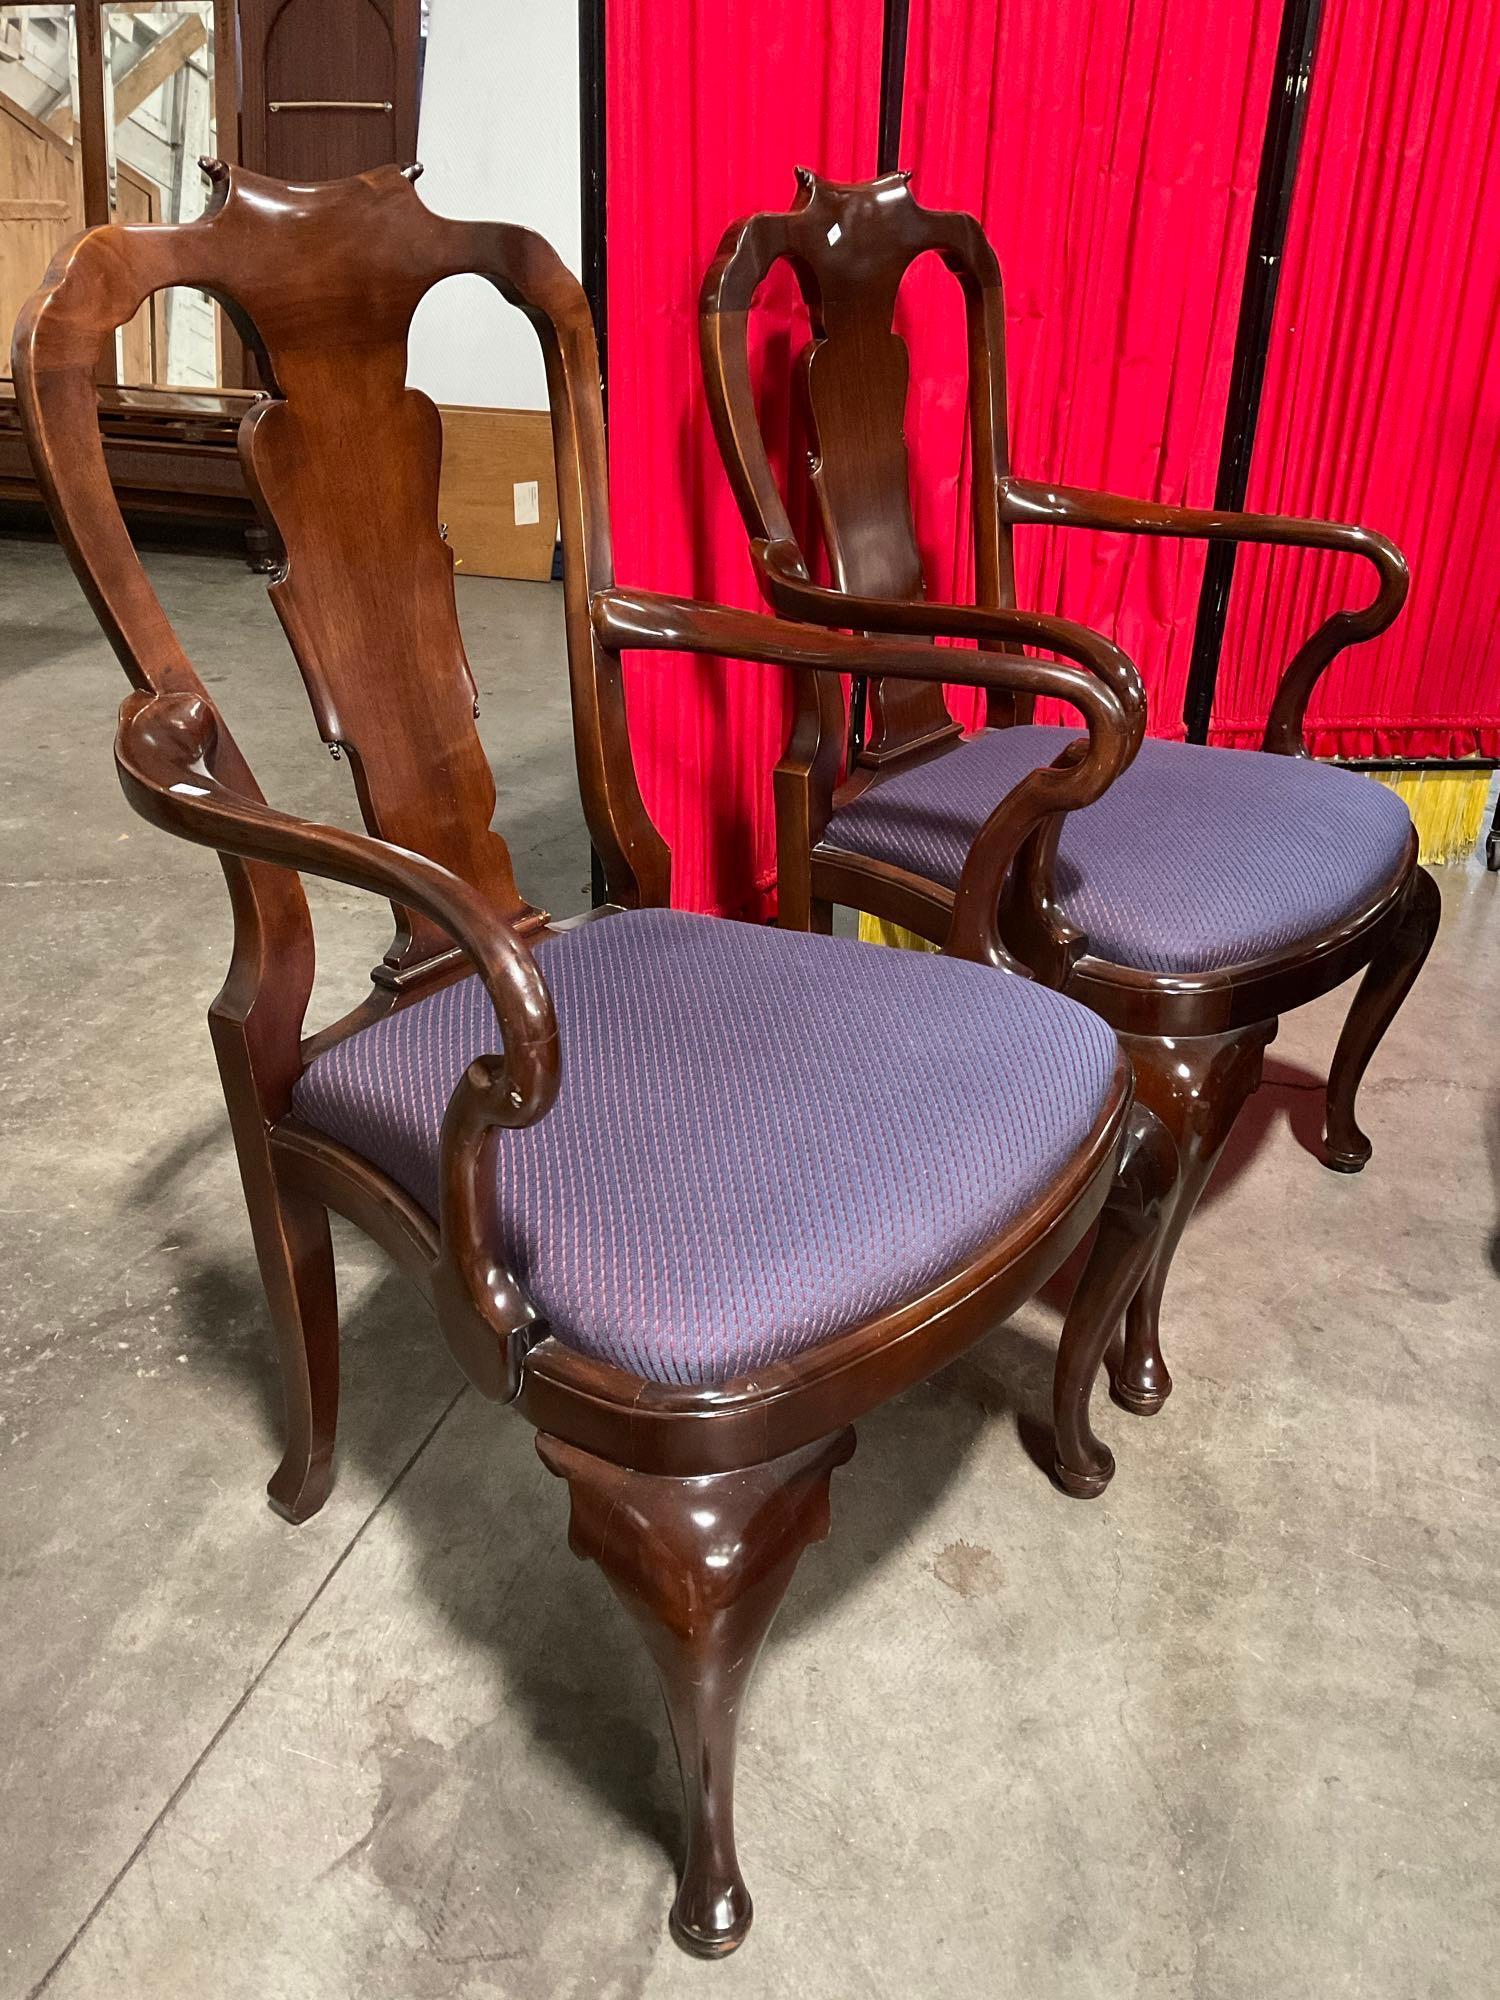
1280 150
892 84
592 133
894 27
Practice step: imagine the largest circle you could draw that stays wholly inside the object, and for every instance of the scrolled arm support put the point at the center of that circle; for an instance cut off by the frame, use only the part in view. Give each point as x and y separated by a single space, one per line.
1103 686
165 753
1031 501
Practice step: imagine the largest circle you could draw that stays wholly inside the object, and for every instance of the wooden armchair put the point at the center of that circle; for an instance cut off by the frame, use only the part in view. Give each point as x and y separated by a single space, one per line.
1209 890
616 1155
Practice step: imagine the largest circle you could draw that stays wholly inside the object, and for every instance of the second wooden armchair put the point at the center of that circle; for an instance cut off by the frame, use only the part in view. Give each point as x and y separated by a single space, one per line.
615 1157
1208 891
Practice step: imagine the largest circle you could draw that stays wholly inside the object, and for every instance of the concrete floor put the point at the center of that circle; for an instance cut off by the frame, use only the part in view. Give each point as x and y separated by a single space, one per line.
1230 1731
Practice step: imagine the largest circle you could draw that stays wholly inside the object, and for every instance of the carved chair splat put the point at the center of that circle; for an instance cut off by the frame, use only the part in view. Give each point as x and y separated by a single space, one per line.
505 1074
1195 975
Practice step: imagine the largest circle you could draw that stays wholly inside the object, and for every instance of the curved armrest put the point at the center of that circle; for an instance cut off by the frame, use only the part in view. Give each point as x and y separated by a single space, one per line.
1025 500
925 618
1104 686
164 752
650 622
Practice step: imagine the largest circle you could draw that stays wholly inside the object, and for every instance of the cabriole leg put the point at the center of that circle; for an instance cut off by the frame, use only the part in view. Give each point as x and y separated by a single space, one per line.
701 1565
1197 1085
294 1250
1387 981
296 1265
1130 1226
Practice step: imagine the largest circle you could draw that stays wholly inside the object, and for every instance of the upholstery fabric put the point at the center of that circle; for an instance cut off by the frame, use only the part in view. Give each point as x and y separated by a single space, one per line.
1193 859
761 1138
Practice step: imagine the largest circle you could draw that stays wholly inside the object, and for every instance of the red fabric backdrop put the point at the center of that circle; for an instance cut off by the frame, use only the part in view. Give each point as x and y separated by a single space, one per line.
1382 394
708 110
1110 148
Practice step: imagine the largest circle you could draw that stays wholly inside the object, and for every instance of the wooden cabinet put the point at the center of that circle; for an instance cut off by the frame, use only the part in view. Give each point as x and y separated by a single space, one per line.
105 107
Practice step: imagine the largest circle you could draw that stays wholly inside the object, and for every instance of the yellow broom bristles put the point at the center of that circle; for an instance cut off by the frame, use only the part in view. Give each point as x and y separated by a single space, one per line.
875 930
1447 809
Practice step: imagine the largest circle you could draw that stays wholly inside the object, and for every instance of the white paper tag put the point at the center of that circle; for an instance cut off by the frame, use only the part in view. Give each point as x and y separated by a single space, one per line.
528 503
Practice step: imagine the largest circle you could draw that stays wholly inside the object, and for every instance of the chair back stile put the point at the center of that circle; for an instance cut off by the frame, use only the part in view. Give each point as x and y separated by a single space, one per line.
850 248
343 460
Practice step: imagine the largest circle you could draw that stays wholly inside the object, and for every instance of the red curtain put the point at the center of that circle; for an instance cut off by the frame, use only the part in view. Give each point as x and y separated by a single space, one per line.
1111 149
708 108
1382 393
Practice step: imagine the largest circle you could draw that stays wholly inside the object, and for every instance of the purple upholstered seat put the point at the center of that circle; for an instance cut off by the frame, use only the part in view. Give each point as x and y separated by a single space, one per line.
761 1138
1194 858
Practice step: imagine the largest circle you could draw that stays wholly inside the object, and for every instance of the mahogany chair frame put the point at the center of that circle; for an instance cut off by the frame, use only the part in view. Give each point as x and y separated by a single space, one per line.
1196 1039
697 1502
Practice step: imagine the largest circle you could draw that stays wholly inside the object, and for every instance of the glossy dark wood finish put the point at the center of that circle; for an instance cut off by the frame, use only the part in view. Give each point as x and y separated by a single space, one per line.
1107 692
1197 1086
697 1502
850 247
1125 1249
1390 977
702 1565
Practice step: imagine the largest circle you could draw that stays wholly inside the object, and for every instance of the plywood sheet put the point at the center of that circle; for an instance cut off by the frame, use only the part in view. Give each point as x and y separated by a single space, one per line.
491 459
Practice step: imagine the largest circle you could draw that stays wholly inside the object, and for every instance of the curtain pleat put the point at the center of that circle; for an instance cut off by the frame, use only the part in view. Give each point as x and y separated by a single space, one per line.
708 110
1382 397
1111 148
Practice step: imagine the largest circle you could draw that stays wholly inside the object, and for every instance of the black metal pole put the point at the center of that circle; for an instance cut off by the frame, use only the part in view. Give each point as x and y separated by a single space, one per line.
591 163
1273 200
892 84
894 26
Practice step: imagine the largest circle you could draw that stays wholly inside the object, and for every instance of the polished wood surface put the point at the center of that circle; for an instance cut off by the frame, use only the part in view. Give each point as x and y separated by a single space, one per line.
1389 978
1107 692
1197 1085
697 1502
1129 1241
330 86
850 247
734 1540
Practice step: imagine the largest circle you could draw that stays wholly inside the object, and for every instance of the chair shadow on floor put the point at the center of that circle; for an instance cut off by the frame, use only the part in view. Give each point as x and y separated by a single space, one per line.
564 1654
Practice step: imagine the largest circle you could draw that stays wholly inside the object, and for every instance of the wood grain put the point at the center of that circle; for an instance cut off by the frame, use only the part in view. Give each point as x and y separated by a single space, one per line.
696 1501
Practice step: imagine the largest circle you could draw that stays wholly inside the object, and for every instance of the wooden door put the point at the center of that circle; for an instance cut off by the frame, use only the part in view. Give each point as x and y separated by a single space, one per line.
330 85
41 206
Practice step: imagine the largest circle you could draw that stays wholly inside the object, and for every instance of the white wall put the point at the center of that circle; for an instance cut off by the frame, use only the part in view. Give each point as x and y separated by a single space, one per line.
498 140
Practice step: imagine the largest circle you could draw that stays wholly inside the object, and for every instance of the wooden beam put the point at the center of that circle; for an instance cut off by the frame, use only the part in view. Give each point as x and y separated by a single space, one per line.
92 126
162 60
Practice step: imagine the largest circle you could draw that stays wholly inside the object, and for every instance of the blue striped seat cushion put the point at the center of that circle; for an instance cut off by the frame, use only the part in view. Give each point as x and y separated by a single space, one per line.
761 1138
1193 859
